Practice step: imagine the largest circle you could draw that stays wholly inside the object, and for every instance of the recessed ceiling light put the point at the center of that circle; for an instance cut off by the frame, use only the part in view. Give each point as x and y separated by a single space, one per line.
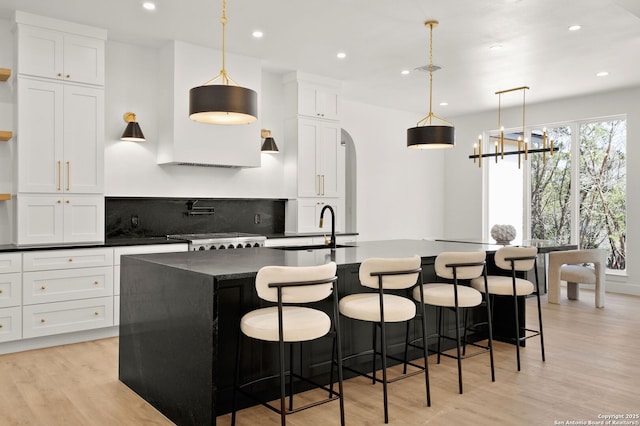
495 47
444 103
147 5
602 74
574 27
341 55
405 72
257 34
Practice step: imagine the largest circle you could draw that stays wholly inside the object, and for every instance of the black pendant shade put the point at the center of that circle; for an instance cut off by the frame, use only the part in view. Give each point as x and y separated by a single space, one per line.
223 104
430 137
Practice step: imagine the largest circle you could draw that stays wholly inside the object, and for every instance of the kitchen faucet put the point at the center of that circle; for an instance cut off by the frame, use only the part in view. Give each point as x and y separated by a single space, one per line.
332 243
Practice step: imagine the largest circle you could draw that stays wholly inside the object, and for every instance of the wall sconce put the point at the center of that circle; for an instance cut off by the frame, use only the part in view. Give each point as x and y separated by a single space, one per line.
132 132
269 146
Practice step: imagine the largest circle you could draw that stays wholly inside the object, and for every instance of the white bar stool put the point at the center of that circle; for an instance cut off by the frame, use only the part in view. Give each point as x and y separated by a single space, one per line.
288 322
381 307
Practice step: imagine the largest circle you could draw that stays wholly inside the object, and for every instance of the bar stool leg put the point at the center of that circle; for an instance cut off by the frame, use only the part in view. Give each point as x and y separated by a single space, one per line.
457 317
383 344
374 346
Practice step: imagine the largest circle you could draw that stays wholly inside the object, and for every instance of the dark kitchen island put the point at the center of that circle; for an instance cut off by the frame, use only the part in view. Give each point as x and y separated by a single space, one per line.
180 313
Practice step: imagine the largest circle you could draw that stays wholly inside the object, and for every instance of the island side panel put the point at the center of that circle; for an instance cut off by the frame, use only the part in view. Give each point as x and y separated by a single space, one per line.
168 330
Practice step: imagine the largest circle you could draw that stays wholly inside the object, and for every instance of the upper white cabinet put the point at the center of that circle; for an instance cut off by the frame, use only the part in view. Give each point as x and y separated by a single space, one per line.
312 96
317 101
59 50
61 133
319 159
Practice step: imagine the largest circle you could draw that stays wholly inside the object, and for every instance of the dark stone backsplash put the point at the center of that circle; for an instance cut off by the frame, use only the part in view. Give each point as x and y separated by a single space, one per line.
143 217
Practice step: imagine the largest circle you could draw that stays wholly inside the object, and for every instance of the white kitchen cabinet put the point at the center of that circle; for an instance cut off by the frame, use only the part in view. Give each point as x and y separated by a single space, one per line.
66 291
10 324
10 290
70 284
318 101
60 138
312 96
10 262
303 215
46 319
58 55
64 218
320 158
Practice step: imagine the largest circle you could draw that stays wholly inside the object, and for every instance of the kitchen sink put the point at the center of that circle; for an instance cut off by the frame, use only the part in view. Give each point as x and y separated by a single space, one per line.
311 247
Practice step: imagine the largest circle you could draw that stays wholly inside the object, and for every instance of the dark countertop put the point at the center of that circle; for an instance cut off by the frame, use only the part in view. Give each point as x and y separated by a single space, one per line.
136 241
227 264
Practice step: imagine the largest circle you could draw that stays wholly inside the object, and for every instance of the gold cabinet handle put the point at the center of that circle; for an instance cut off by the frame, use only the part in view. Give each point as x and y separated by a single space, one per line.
96 282
59 201
59 175
68 75
1 325
59 74
43 287
70 259
97 313
67 201
68 174
42 320
0 291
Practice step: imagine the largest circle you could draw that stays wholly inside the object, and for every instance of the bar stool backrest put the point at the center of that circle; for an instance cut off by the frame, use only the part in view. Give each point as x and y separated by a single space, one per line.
462 273
291 274
389 265
511 252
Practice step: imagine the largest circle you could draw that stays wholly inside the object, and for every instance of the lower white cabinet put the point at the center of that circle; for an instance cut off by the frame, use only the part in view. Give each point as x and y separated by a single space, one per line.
55 219
10 324
64 317
303 215
72 284
10 290
66 290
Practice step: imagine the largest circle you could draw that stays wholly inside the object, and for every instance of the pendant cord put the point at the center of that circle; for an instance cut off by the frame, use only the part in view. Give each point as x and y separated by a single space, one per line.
223 72
430 71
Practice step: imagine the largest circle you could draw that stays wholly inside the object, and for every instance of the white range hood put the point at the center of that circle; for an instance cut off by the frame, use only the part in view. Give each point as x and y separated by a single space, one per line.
183 141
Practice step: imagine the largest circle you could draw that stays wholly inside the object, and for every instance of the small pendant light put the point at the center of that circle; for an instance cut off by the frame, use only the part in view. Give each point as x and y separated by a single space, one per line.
225 103
427 135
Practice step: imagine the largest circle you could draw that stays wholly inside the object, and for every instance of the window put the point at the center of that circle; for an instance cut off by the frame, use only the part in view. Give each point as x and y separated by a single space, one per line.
591 213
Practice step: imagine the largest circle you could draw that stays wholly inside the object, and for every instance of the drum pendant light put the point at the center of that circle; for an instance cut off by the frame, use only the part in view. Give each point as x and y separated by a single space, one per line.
427 135
225 103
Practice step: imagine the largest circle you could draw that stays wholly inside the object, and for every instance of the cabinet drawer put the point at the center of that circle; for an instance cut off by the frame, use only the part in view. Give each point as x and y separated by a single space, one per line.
65 317
67 259
10 324
10 290
10 262
71 284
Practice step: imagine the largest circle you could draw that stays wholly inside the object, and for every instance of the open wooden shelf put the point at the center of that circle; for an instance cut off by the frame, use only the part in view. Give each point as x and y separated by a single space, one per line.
5 197
5 73
5 135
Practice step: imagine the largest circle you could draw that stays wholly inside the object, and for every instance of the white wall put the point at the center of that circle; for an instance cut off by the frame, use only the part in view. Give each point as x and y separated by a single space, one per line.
464 183
400 190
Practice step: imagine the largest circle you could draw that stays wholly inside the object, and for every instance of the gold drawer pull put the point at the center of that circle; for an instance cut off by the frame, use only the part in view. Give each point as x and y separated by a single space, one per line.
42 320
1 325
70 259
43 287
97 313
0 291
68 75
96 283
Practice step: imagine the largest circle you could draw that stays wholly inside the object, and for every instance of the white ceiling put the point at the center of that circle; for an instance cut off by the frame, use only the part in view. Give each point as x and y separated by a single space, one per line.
381 38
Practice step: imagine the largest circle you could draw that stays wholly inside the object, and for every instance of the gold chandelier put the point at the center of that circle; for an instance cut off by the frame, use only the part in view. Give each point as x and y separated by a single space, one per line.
521 143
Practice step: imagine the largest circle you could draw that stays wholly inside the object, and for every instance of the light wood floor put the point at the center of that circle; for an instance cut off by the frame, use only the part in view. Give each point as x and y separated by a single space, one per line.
592 369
